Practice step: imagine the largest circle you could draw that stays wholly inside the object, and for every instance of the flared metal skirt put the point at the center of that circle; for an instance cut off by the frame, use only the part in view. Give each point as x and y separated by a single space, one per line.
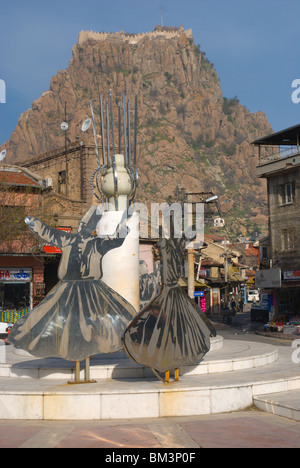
77 319
169 333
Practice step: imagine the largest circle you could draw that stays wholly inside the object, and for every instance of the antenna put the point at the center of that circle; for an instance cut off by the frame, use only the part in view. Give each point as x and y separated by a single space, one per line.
95 133
102 129
162 17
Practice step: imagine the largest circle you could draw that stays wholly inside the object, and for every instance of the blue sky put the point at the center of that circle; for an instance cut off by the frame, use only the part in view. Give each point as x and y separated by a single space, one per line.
254 45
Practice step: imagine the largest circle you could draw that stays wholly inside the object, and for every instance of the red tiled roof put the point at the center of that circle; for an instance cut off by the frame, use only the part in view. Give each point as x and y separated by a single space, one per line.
214 237
250 272
17 178
209 262
251 252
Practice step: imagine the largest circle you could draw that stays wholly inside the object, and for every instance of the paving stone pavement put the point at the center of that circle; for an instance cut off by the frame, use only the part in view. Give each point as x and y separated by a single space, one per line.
247 429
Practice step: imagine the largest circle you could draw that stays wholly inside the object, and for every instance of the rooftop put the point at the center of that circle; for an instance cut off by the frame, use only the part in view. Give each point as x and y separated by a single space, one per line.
20 177
288 137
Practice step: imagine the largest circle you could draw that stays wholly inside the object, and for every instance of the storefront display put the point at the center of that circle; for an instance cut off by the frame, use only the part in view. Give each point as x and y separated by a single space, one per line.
15 293
288 328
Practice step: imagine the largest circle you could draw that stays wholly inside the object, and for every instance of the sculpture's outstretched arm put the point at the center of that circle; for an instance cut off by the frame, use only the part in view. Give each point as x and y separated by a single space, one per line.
49 234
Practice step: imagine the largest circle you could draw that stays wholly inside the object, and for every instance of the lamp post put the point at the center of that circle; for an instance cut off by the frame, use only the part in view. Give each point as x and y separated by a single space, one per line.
202 198
191 253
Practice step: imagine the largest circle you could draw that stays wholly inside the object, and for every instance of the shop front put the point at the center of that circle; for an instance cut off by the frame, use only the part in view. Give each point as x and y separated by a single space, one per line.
288 297
15 293
280 298
21 286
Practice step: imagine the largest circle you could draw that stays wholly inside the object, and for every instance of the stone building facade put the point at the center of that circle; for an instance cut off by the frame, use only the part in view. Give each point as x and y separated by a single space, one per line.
67 173
279 164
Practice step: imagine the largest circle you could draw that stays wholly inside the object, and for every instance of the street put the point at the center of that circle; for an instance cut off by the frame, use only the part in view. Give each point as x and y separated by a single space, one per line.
243 329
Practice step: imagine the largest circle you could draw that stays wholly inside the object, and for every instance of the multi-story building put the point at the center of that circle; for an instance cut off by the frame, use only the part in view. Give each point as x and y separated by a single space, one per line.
21 265
279 164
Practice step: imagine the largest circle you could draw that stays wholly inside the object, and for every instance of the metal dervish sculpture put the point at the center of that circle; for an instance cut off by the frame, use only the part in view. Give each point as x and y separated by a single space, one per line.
81 316
170 331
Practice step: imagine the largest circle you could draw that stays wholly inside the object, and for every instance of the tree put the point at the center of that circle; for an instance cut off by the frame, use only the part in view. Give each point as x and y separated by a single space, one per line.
20 196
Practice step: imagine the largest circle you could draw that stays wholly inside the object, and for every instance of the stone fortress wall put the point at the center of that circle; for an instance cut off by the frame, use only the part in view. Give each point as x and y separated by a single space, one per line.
159 31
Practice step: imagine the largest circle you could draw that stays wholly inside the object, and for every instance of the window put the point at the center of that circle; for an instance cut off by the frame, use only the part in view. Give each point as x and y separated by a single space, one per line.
14 296
288 240
287 193
264 253
62 183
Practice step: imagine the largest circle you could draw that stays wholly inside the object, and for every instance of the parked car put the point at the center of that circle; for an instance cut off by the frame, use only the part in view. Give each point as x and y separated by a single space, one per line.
4 330
8 331
253 295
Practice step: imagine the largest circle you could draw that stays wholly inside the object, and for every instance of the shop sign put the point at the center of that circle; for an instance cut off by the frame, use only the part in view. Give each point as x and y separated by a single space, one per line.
293 275
199 294
268 278
15 274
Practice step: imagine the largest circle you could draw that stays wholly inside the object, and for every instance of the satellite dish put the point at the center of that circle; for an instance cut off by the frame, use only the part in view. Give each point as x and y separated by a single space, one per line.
86 125
2 155
64 126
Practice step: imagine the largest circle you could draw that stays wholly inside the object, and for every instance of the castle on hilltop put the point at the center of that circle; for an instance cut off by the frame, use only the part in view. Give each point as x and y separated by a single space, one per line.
159 31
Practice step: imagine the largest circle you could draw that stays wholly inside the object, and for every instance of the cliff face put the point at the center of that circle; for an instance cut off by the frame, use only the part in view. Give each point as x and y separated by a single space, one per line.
190 137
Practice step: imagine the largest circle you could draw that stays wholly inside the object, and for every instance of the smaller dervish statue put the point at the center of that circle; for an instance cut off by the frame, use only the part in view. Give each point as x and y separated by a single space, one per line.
170 331
81 316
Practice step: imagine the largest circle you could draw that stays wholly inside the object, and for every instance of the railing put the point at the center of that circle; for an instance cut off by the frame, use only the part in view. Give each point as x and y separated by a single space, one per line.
281 154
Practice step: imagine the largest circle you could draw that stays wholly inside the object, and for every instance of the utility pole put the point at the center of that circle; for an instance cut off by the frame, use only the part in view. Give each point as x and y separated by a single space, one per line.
202 197
64 126
191 253
66 155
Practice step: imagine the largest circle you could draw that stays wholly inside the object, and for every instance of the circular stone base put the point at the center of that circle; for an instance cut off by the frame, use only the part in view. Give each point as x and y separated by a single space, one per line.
230 379
224 356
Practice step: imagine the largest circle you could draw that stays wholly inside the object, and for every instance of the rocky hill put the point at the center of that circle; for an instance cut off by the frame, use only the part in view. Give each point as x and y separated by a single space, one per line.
191 138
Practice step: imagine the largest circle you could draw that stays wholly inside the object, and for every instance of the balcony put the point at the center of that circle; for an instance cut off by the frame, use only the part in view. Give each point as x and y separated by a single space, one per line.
278 151
281 153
